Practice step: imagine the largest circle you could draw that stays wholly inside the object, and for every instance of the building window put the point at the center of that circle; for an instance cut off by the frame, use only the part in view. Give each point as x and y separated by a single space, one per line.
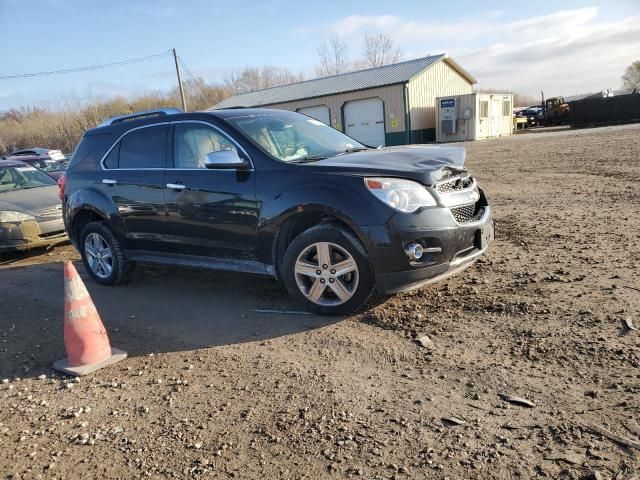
484 109
506 108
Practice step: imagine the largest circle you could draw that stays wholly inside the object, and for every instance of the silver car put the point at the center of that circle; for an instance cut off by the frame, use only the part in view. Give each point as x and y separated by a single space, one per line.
30 208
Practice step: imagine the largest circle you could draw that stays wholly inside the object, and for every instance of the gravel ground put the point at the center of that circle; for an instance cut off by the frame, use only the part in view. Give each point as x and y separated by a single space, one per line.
545 317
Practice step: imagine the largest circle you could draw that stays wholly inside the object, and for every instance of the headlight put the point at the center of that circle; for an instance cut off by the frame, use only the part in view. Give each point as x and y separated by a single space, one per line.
14 216
403 195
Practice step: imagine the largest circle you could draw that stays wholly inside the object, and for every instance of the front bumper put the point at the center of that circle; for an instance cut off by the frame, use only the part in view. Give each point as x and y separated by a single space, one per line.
389 283
449 248
27 234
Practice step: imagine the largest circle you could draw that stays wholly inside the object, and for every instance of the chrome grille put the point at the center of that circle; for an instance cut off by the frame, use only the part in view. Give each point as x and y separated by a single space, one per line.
12 242
464 214
454 185
55 211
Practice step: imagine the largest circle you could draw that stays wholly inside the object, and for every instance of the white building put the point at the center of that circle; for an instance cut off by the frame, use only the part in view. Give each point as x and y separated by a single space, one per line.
389 105
473 116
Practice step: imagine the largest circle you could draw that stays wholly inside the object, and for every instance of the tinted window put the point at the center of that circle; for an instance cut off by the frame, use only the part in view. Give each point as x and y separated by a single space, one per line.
144 148
193 141
92 147
112 159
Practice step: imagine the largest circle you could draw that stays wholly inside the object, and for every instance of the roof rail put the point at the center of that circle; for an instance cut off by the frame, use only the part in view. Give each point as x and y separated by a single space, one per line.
142 114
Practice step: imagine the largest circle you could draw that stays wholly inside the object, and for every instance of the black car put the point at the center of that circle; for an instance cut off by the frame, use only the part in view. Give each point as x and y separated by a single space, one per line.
276 193
534 116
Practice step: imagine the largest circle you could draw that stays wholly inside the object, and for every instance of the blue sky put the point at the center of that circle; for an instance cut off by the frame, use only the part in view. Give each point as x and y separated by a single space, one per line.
563 47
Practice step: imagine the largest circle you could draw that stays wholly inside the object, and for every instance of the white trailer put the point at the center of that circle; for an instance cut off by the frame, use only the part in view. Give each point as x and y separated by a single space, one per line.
473 116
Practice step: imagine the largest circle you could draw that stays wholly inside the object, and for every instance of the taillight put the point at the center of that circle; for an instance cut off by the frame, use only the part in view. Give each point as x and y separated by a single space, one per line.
62 183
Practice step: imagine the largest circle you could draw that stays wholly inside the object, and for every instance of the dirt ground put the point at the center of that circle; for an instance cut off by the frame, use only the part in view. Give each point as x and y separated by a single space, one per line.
214 388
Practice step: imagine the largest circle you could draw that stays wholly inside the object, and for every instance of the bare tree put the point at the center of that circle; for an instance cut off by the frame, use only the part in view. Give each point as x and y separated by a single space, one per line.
62 123
333 58
257 78
379 50
631 77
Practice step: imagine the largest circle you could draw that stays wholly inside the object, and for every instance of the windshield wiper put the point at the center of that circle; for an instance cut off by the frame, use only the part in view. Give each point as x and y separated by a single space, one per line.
353 150
310 158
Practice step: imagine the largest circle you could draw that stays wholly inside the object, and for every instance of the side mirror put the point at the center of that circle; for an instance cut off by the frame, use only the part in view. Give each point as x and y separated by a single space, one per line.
225 159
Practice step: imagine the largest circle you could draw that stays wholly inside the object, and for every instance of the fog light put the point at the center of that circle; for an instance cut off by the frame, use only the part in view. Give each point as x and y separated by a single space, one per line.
414 251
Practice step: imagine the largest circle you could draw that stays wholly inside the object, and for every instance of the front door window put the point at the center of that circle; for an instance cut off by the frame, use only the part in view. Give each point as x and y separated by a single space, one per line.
192 143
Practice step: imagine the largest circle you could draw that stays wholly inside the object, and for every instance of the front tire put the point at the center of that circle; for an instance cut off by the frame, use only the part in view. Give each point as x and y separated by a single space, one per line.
326 269
103 256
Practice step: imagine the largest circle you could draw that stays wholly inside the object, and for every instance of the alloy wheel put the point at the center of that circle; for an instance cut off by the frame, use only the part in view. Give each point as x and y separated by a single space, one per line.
326 274
99 256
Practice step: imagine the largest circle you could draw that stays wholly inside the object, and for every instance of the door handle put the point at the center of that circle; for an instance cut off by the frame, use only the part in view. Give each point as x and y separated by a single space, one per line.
176 186
109 181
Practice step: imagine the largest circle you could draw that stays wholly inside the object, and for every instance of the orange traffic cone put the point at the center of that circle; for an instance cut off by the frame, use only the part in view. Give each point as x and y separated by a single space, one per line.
85 338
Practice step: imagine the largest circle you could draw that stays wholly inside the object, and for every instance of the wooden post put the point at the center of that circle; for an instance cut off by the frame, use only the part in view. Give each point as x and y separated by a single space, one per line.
175 59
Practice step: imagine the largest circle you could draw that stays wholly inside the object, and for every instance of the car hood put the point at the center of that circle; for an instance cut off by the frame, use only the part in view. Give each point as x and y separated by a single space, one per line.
30 200
428 164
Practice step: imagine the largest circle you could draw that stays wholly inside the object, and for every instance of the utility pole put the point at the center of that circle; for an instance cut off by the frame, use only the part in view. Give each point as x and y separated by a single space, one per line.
175 59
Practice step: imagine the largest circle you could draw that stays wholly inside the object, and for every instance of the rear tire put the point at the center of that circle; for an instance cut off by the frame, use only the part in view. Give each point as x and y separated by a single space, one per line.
310 277
103 255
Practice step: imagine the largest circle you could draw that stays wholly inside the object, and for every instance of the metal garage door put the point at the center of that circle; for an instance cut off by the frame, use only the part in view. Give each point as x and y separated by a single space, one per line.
320 112
364 121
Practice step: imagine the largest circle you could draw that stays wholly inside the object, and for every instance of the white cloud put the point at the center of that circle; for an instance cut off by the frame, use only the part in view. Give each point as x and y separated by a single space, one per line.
565 52
411 30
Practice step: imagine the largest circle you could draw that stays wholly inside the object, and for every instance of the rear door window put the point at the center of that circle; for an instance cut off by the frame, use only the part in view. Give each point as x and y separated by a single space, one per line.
141 148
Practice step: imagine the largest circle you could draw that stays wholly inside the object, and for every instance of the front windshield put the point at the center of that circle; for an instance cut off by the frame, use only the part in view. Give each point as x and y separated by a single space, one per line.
292 137
18 177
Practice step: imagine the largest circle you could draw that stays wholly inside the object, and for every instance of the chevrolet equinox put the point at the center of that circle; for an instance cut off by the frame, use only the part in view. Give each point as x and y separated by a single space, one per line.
275 193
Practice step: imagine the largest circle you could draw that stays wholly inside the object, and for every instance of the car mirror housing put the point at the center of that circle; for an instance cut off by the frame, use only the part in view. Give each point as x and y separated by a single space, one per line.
225 159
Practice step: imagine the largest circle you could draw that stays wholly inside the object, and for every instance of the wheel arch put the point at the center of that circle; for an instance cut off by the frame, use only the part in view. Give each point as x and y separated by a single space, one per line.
82 218
85 207
300 219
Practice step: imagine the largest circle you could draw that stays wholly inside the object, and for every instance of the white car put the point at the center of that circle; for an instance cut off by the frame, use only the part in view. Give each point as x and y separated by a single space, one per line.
44 153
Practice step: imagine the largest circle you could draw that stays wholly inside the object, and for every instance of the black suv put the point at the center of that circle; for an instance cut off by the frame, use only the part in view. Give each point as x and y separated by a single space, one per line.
276 193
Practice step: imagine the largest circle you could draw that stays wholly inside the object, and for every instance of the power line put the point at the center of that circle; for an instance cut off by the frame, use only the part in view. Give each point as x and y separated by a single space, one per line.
83 69
186 69
194 80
